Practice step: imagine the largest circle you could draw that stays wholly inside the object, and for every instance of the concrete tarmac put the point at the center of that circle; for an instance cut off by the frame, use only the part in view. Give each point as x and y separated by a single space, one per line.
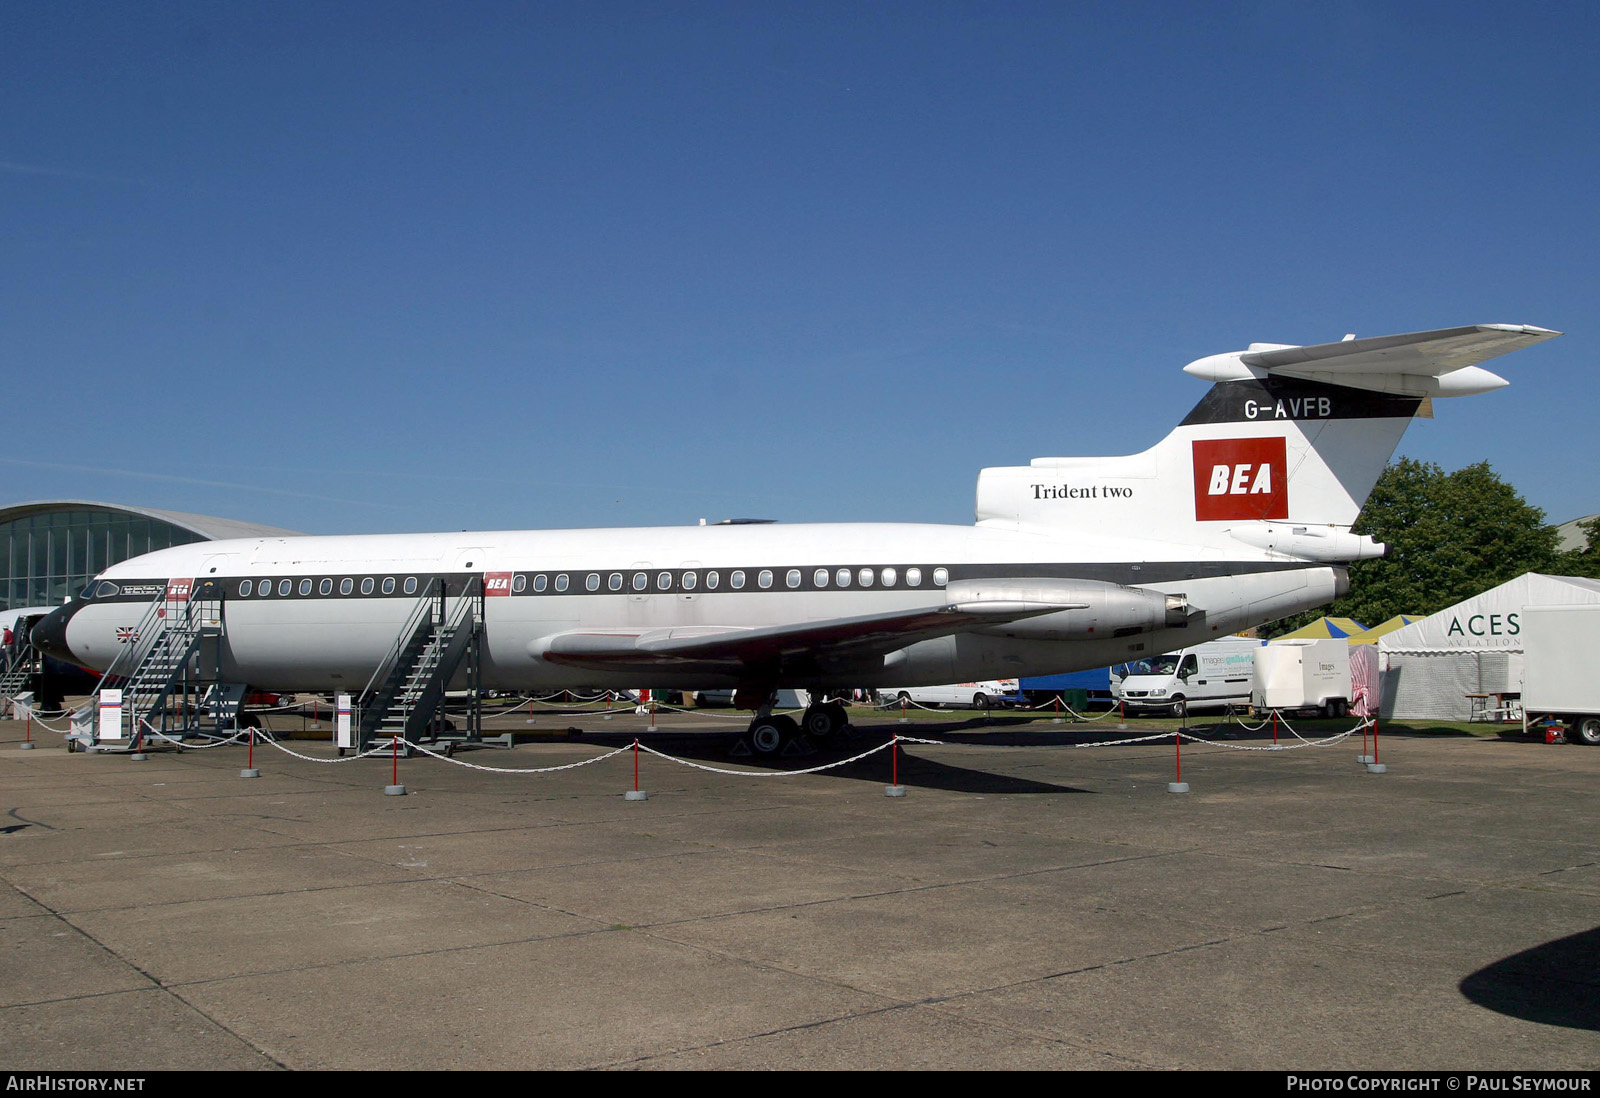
1030 903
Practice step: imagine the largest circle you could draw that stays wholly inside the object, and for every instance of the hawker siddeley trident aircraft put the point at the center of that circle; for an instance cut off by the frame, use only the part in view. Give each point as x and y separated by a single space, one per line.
1240 516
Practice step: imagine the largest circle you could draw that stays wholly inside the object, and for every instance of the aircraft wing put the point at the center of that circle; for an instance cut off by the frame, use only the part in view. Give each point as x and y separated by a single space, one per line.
805 647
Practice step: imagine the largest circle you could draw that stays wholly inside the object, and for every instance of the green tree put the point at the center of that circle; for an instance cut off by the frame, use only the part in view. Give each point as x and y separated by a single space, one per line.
1450 536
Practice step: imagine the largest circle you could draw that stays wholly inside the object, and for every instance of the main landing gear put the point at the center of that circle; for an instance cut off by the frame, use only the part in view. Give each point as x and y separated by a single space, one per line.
770 736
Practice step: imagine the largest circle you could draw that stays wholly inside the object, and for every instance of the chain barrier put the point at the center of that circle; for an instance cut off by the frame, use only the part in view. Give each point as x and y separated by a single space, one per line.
1112 712
376 752
442 757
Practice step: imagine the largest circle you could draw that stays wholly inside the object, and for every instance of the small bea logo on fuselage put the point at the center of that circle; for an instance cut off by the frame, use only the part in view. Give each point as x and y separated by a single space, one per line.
1240 478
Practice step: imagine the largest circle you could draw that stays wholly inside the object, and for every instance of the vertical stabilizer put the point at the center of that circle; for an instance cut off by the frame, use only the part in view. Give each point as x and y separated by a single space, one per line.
1281 453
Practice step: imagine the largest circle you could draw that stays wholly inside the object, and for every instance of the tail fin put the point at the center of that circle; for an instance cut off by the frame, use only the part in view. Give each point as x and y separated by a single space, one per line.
1280 454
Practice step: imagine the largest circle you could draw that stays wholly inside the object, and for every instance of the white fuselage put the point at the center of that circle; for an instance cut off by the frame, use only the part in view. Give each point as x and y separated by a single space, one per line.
316 629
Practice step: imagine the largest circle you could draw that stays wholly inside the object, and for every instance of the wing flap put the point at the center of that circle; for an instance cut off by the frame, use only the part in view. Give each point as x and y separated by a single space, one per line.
833 640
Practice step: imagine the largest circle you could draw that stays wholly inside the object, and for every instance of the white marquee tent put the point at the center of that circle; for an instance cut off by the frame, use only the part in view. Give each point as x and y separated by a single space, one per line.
1430 667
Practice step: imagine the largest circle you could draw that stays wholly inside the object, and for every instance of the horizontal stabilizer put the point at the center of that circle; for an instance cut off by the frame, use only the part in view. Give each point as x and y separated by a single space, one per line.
1438 363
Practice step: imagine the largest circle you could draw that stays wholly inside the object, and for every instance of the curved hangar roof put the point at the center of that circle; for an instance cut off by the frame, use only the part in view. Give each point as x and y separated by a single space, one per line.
50 549
208 527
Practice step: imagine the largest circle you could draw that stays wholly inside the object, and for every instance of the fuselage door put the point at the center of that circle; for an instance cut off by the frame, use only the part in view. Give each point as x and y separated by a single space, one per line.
637 581
690 581
472 560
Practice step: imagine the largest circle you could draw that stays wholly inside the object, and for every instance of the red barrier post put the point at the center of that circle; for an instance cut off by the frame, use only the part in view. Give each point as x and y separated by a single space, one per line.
396 789
636 794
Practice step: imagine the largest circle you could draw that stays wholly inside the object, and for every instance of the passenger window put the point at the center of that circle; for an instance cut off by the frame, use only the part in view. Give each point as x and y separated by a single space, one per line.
366 585
820 577
305 587
843 577
540 582
640 581
792 578
411 585
325 588
285 586
592 581
388 585
737 581
614 581
941 576
913 577
519 584
265 589
711 581
689 581
764 580
865 577
346 585
664 581
561 582
888 577
244 589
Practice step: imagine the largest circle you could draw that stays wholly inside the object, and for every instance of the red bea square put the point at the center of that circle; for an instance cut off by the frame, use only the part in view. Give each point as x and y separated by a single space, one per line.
1240 478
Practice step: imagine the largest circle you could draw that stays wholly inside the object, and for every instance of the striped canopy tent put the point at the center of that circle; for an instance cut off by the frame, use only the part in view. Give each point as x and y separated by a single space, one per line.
1399 621
1325 628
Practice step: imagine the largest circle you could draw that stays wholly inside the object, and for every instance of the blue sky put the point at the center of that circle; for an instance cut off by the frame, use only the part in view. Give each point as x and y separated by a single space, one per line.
412 266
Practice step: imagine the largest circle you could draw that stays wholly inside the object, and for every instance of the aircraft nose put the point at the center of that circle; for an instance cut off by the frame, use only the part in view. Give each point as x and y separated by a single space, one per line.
50 633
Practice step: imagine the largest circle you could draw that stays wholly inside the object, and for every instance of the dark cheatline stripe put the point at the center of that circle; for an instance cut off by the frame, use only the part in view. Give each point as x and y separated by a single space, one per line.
456 583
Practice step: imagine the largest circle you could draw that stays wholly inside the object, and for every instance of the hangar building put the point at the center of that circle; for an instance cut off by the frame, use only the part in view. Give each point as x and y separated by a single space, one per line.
52 548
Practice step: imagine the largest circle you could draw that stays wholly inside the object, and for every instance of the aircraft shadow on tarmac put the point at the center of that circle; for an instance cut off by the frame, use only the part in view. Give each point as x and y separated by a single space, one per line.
1556 984
916 771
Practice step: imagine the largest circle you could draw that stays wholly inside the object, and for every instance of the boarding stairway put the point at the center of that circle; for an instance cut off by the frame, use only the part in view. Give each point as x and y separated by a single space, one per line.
159 673
21 665
403 702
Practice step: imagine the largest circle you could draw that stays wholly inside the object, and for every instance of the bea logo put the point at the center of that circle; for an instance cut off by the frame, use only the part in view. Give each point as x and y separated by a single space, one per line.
1240 478
497 583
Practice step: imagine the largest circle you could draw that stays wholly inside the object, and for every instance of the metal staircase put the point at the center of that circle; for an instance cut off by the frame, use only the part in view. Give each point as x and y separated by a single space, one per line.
22 665
404 699
157 670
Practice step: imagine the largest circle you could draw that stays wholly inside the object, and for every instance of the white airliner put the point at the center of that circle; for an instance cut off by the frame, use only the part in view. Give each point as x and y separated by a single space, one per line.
1240 516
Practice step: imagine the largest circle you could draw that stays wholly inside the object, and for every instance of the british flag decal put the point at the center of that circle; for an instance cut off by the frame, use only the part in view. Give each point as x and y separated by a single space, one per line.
126 634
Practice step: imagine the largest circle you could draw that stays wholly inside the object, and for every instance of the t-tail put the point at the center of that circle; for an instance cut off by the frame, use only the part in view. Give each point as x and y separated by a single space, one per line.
1280 454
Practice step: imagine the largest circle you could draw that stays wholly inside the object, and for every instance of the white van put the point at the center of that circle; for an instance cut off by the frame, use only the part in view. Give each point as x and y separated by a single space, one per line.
978 695
1212 675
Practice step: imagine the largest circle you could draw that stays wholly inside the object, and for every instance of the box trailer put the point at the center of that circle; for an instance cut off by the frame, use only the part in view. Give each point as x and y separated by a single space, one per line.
1303 676
1559 680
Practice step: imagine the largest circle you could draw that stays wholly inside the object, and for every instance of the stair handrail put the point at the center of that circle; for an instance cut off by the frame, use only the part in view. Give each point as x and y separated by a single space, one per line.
131 655
408 629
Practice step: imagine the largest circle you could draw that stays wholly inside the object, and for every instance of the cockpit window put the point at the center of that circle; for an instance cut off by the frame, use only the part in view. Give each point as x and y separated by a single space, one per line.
105 589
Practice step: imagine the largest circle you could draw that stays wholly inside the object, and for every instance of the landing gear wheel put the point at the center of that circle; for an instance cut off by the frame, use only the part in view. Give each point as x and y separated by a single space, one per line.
823 722
767 735
1585 730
